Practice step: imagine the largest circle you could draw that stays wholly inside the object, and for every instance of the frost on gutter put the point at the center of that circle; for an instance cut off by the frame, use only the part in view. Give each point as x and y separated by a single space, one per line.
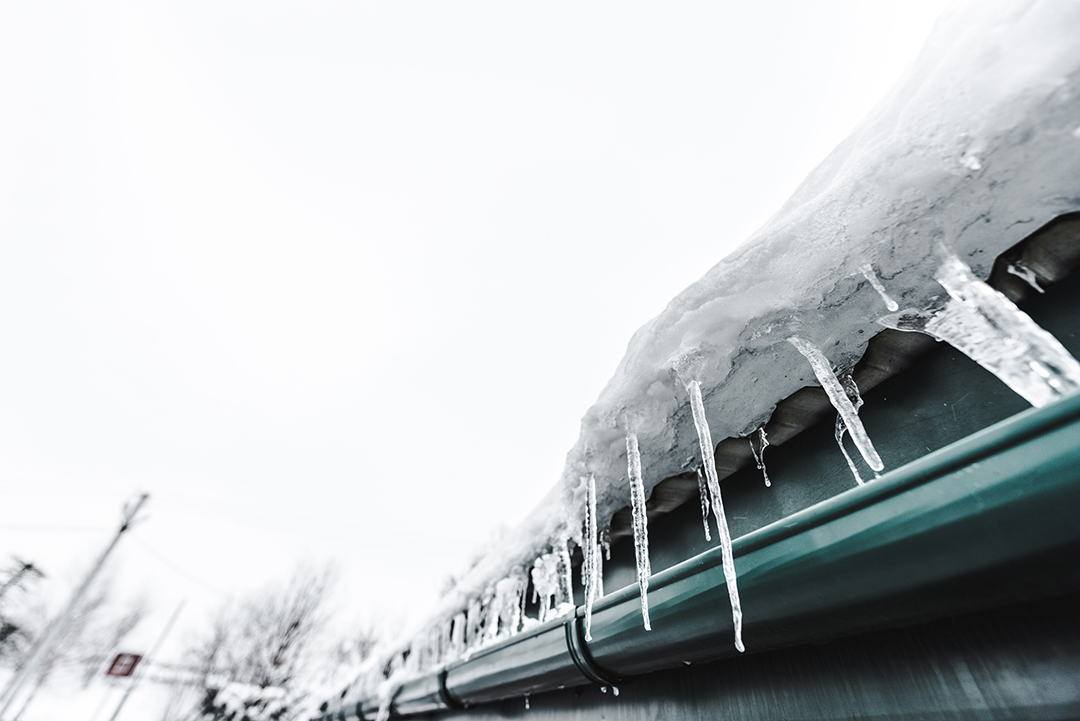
973 148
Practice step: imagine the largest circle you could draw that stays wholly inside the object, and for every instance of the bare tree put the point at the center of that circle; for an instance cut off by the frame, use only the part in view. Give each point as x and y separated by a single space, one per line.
266 642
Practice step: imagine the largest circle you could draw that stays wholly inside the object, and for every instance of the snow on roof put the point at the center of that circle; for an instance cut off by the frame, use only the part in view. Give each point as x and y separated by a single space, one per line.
976 146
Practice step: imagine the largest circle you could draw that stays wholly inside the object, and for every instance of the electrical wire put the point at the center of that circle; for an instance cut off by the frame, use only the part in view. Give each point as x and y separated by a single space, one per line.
54 528
161 558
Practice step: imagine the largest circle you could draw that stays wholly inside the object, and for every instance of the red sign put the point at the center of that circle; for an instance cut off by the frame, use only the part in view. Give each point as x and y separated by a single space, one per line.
124 664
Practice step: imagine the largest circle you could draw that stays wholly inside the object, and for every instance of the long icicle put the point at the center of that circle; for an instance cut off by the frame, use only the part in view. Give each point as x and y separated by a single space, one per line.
852 391
709 462
703 492
641 523
842 404
591 551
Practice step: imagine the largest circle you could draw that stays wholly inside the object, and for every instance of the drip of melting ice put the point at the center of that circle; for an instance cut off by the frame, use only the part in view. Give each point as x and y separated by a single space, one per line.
1024 273
641 523
759 452
615 690
709 463
987 327
852 391
868 273
591 553
703 492
839 399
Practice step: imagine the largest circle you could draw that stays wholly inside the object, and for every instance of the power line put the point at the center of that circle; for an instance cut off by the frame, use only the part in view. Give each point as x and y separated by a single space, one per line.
53 528
161 558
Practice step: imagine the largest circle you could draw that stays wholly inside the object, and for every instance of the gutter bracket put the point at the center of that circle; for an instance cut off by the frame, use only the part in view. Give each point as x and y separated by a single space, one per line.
579 654
446 697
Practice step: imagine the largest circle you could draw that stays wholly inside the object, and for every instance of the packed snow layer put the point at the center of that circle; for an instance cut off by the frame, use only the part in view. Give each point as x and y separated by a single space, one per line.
974 148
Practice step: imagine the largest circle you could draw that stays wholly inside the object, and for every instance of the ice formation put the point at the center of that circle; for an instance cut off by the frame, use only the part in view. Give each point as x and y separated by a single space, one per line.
759 452
708 461
591 559
852 390
564 580
505 616
1024 273
976 145
641 523
868 272
987 327
703 494
839 399
545 578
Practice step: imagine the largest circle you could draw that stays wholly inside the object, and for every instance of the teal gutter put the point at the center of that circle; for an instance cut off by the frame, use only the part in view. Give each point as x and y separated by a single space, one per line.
986 521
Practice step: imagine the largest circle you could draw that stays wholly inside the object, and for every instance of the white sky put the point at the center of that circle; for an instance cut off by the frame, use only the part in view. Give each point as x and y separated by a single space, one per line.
339 279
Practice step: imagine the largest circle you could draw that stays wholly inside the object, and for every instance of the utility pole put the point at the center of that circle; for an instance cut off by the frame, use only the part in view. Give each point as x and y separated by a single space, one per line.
147 660
58 626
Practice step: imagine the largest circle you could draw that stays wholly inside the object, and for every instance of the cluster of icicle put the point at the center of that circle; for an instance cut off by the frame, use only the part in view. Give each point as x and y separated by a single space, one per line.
976 320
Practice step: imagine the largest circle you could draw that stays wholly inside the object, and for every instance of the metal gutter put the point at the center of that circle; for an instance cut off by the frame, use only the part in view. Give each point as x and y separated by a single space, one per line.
986 521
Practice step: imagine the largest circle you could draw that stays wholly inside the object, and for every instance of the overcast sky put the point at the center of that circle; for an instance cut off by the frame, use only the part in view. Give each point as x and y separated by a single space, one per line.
337 280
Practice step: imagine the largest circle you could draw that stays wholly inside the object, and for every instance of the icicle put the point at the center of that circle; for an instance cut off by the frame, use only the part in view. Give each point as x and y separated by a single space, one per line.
564 594
870 275
447 650
839 399
703 492
641 523
522 596
457 634
1024 273
543 578
697 406
605 542
505 615
852 391
591 552
472 625
987 327
759 452
599 573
